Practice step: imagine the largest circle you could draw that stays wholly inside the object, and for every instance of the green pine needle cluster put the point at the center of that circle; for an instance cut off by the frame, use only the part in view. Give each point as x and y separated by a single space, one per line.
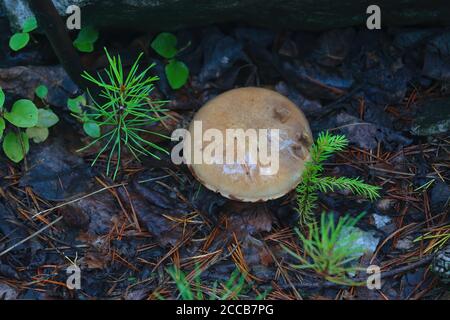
313 181
124 115
232 289
330 249
437 238
355 185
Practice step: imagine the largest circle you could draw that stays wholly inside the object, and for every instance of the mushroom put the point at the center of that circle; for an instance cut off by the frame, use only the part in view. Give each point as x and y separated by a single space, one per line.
252 108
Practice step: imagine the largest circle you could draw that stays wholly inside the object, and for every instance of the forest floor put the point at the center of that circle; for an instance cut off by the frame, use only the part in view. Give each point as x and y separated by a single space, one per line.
381 89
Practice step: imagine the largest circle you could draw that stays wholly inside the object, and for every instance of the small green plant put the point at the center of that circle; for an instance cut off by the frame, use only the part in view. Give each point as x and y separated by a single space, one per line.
124 115
41 92
76 104
330 248
20 39
46 118
24 115
177 73
86 39
313 181
232 289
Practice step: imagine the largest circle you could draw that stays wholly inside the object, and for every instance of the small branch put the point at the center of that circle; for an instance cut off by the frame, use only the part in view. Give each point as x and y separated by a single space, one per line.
31 236
389 274
55 30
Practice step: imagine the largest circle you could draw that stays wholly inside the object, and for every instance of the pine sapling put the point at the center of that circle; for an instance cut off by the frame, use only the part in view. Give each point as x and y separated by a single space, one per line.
330 249
233 289
123 117
313 181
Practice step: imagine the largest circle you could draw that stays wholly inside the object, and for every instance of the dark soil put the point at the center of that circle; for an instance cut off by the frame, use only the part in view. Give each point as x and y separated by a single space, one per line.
371 86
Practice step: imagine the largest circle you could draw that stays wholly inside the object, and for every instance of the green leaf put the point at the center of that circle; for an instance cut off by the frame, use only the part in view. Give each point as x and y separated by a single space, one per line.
14 146
177 73
165 45
86 39
41 91
87 34
2 127
84 46
46 118
37 134
24 114
92 129
19 41
75 104
30 25
2 98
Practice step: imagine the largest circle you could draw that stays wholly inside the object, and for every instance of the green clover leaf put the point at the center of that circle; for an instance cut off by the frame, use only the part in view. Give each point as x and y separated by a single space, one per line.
86 39
24 114
165 45
37 134
2 98
16 146
46 118
30 25
75 104
177 74
41 91
92 129
2 127
19 41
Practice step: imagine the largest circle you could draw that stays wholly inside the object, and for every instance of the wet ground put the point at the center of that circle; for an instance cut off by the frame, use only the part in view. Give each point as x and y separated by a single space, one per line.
384 90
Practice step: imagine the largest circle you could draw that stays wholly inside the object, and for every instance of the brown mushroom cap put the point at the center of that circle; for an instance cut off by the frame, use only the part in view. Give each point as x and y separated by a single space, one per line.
254 108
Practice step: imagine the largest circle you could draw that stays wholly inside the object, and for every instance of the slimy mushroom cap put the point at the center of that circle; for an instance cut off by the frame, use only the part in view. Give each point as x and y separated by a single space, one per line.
252 108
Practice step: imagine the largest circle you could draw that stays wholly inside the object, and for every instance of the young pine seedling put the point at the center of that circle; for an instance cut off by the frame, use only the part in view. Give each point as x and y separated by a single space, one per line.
313 181
124 114
232 289
330 249
177 73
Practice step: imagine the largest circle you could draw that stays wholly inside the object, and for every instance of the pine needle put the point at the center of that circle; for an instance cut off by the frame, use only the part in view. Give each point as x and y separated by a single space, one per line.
312 181
330 248
232 289
124 114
